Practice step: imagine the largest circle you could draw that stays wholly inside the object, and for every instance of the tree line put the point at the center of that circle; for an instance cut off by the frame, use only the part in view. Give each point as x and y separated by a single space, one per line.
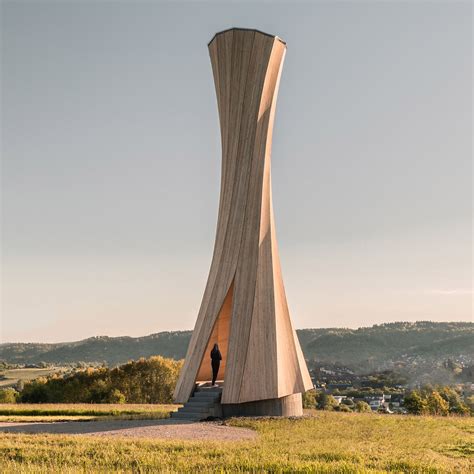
153 380
149 380
441 400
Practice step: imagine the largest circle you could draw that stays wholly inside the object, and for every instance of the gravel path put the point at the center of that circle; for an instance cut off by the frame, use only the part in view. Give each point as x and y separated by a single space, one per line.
158 429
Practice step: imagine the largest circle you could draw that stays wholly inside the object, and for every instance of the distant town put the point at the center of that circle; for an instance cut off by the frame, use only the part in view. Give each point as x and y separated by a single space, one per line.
385 390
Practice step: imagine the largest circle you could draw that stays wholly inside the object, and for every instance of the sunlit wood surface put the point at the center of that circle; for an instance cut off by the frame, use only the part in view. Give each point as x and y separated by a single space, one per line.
244 306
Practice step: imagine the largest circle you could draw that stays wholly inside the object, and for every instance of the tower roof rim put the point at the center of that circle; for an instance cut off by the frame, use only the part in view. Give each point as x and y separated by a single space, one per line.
246 29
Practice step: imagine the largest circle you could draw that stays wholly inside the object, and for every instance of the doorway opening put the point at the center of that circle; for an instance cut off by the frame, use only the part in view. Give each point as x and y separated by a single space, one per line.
220 336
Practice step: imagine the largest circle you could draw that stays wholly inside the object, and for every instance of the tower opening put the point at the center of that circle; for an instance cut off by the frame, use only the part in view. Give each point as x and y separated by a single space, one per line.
220 336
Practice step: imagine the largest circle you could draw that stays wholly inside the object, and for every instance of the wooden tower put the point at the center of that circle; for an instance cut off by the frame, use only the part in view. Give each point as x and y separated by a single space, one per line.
244 307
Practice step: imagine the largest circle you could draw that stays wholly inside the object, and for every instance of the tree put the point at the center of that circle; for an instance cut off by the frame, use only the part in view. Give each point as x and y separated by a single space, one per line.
100 392
456 405
437 405
35 391
325 401
116 396
144 381
426 390
342 407
363 407
147 380
470 403
8 395
309 399
415 403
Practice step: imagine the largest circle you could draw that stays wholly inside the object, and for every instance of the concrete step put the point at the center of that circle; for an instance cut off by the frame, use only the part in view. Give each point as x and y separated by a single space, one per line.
204 403
208 400
209 395
193 409
208 389
200 402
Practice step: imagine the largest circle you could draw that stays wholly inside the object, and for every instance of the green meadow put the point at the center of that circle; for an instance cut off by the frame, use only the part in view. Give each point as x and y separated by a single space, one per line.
328 442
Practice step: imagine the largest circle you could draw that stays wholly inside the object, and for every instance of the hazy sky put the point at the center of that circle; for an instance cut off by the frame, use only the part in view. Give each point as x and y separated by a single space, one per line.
111 163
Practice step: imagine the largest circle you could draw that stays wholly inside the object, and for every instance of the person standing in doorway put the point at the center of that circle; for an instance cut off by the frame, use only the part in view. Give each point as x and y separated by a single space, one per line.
216 358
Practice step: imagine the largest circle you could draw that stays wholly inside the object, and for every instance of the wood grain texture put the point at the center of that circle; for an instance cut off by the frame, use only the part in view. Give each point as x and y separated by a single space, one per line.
244 307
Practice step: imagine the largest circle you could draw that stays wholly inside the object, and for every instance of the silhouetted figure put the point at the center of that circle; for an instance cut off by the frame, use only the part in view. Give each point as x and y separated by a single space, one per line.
216 358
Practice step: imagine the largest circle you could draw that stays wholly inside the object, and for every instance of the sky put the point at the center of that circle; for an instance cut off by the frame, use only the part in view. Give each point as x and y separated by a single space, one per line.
110 150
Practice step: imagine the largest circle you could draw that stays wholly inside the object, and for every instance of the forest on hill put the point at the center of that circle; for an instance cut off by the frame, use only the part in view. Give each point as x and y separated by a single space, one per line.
376 345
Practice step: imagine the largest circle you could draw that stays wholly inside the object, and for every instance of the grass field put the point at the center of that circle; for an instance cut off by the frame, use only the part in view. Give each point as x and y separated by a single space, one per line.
82 411
12 376
325 442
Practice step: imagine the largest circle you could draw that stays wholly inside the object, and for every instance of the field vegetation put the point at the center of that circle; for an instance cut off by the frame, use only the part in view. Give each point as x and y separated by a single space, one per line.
14 377
323 442
143 381
83 411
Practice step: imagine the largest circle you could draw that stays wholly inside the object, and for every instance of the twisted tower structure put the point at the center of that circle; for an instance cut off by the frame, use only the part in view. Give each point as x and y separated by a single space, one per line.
244 306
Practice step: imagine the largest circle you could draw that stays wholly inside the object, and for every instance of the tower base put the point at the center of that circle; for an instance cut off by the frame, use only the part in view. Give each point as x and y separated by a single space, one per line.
290 405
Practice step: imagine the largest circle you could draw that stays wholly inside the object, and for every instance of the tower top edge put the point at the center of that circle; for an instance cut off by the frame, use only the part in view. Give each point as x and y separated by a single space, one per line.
245 29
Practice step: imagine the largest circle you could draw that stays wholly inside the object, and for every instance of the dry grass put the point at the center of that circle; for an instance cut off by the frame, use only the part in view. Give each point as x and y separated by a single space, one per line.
326 442
49 412
85 409
12 376
47 419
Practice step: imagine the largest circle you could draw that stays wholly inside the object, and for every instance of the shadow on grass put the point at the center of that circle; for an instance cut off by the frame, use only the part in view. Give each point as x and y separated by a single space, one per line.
86 427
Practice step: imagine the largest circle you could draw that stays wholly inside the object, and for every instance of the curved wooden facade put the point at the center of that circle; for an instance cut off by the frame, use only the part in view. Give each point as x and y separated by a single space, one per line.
244 306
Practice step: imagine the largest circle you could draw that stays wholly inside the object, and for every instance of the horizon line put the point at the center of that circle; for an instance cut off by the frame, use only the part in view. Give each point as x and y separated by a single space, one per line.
191 330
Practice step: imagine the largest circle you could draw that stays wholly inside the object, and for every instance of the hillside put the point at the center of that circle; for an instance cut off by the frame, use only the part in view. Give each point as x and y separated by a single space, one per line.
392 341
352 347
112 350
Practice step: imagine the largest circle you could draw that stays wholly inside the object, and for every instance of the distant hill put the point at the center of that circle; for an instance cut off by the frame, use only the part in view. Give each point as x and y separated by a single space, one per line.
391 341
112 350
351 347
